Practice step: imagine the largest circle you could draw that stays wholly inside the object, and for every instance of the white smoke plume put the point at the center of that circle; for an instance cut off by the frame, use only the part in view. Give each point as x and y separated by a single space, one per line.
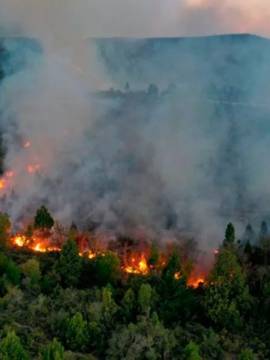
140 160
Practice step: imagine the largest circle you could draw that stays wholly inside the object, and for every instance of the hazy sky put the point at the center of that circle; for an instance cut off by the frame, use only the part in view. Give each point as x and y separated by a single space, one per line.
65 20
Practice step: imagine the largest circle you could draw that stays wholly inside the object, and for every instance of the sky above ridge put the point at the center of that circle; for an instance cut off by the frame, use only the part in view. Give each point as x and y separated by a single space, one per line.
64 21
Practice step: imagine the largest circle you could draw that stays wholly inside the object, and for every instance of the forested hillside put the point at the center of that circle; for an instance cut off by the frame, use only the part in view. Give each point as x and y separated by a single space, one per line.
60 303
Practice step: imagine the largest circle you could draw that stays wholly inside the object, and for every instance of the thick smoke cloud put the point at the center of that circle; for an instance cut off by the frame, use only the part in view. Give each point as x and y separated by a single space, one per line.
179 162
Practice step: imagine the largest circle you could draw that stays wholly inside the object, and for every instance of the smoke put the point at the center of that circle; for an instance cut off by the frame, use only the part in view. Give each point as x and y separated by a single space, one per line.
182 161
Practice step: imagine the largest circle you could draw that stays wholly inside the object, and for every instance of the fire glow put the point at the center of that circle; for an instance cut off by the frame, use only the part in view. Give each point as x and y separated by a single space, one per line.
138 265
36 244
134 264
31 167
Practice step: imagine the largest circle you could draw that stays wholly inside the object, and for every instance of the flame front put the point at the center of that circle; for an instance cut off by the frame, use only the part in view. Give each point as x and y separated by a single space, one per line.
19 240
137 265
37 244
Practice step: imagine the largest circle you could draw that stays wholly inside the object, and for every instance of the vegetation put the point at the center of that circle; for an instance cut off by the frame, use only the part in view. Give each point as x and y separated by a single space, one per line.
43 219
64 306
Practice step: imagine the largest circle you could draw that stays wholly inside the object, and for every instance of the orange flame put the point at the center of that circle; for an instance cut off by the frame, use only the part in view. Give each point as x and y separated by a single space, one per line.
90 254
138 265
2 184
34 243
195 282
19 240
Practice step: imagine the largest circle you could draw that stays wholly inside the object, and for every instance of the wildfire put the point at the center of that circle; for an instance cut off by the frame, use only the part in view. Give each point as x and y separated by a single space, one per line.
90 254
40 247
2 184
135 263
138 265
195 282
19 240
35 244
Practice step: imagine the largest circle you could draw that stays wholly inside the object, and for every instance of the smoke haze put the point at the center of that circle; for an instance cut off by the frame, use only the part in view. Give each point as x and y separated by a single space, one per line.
63 22
178 159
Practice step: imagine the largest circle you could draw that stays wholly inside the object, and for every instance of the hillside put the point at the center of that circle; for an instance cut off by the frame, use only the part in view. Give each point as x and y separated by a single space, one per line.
229 65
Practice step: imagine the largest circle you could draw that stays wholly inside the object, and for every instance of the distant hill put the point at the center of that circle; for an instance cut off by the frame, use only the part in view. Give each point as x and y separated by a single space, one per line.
15 53
224 67
228 65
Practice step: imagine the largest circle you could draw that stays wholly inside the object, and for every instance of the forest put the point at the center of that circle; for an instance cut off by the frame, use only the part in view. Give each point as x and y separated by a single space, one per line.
59 303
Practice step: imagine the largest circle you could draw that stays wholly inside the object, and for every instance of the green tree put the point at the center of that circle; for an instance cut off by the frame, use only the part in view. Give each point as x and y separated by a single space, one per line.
109 307
176 301
53 351
145 299
107 268
147 339
43 219
9 273
69 265
154 256
229 235
227 297
13 272
11 348
76 333
263 230
128 305
31 270
246 354
192 351
5 226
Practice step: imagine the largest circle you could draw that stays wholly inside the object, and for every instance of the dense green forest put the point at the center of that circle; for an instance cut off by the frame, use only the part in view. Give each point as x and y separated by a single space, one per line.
60 305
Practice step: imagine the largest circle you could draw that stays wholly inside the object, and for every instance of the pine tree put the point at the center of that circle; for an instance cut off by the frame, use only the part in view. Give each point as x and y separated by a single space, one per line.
76 333
11 348
229 235
145 298
191 351
43 219
227 297
53 351
69 265
5 226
